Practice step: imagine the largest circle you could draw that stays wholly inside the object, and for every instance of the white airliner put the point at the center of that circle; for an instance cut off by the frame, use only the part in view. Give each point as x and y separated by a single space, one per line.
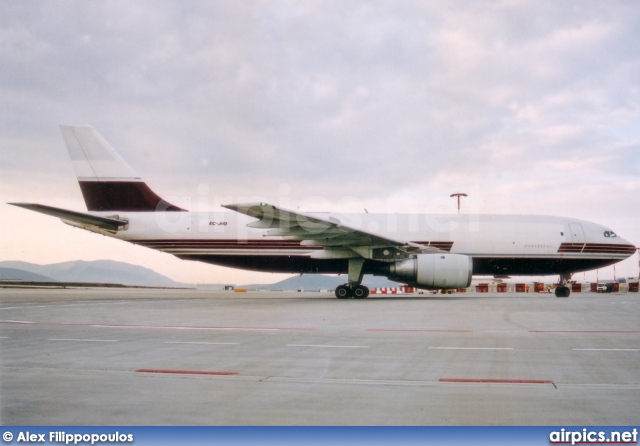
425 251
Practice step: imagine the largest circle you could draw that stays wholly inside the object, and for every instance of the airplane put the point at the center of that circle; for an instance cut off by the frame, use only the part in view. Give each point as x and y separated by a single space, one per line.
434 252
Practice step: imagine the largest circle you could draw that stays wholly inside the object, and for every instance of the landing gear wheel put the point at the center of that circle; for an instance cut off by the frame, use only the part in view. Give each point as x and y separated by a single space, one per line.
563 291
361 292
343 292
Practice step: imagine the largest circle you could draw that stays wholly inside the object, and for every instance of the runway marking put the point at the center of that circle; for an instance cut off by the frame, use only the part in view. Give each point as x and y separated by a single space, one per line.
202 343
470 348
495 381
327 346
606 349
28 307
587 331
185 372
161 327
83 340
5 337
419 330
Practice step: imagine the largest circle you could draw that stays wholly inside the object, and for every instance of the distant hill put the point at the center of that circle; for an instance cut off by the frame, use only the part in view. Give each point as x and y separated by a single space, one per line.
19 274
98 271
315 282
112 272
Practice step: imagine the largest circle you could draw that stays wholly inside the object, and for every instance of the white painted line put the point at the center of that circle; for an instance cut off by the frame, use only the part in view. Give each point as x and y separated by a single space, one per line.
470 348
28 307
203 343
84 340
327 346
162 327
5 337
606 349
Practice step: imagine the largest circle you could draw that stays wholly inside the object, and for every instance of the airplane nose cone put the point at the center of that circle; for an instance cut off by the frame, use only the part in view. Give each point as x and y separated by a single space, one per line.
626 246
631 244
609 242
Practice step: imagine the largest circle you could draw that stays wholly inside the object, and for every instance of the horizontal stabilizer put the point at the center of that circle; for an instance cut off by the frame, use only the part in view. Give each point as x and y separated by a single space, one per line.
106 223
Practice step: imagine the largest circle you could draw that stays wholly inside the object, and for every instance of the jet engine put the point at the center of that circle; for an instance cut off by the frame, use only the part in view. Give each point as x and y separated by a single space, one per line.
433 271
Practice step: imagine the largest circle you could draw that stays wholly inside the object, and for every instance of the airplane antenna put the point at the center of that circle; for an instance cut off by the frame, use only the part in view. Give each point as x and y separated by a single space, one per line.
459 194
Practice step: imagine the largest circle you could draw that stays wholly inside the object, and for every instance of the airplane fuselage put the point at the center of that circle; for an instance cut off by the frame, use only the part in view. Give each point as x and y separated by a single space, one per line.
497 244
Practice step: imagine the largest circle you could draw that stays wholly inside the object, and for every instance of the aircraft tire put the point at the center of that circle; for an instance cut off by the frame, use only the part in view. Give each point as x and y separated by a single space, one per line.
563 291
343 292
361 292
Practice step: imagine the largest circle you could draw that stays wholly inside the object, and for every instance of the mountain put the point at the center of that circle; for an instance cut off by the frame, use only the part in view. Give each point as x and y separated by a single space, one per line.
98 271
112 272
315 282
19 274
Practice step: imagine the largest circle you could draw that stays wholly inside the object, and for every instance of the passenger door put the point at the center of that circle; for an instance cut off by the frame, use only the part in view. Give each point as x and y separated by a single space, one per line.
576 232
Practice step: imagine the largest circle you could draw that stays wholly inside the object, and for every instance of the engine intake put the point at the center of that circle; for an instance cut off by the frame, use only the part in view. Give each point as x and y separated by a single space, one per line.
434 271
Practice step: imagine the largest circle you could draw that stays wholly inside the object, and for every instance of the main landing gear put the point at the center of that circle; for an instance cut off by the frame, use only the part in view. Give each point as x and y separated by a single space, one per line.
563 290
358 292
354 288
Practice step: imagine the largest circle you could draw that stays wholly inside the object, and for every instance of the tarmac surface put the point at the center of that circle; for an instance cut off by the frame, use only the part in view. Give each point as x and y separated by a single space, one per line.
186 357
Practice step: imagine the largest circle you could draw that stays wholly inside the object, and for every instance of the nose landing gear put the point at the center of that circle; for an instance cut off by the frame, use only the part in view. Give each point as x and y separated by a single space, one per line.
563 290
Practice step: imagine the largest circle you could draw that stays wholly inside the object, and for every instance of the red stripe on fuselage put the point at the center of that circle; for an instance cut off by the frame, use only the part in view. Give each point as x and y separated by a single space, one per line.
597 248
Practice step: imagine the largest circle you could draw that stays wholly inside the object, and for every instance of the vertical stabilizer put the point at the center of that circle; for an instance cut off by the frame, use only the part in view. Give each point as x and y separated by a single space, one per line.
107 182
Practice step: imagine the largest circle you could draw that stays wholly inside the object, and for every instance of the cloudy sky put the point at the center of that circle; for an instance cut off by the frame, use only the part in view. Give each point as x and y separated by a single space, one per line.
531 107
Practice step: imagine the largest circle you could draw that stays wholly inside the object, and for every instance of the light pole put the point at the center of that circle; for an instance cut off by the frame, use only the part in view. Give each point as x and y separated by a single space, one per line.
458 194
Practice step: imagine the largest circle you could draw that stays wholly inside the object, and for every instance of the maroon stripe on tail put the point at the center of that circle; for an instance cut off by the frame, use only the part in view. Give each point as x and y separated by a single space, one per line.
123 196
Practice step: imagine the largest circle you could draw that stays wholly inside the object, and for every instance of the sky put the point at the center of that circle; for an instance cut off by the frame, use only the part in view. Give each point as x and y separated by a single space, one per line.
530 107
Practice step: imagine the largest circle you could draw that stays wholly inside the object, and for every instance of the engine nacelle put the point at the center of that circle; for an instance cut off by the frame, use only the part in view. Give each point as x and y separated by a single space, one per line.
434 271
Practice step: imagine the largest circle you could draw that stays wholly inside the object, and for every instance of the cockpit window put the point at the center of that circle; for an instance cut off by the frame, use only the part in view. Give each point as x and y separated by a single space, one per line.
609 234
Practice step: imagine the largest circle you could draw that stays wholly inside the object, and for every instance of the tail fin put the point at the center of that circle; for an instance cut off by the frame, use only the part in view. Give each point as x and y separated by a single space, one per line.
107 182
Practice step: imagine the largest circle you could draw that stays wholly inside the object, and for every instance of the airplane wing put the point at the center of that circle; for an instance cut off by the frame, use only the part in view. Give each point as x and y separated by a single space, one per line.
77 218
337 239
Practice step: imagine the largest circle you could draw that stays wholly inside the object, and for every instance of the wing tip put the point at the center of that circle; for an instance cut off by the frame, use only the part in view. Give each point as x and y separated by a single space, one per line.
24 205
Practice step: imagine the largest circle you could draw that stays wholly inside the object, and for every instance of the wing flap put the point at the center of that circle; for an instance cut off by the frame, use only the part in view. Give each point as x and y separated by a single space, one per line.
338 239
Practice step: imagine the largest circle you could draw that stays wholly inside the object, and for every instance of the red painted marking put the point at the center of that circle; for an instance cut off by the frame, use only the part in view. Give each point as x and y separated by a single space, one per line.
495 381
418 330
584 331
175 327
185 372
